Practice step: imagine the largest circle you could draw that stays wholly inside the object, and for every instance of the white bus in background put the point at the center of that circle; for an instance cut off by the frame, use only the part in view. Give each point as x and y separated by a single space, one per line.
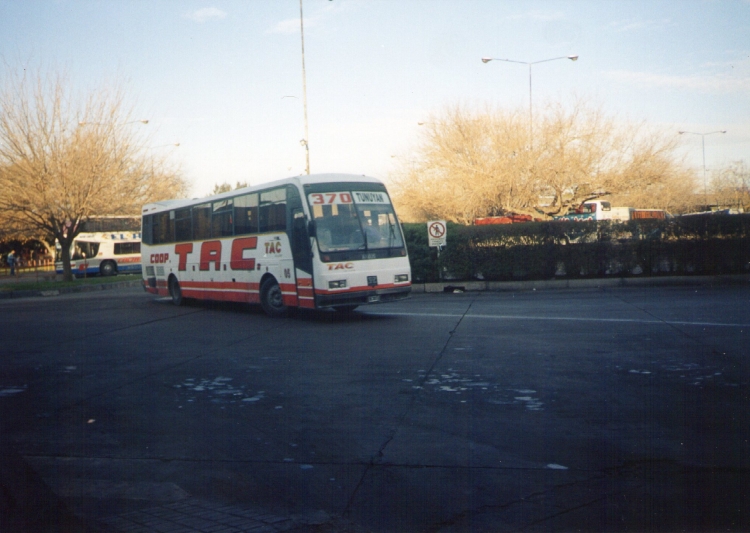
600 210
597 210
103 253
325 241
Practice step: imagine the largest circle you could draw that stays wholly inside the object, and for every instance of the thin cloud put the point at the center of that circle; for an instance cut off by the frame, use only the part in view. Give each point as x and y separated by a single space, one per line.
633 25
207 13
701 83
319 16
288 26
537 14
292 25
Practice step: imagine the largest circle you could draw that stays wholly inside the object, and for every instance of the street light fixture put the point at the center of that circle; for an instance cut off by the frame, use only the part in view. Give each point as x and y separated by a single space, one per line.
529 63
703 145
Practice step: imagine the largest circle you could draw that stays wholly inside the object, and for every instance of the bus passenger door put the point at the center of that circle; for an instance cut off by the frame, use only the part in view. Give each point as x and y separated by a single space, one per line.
302 255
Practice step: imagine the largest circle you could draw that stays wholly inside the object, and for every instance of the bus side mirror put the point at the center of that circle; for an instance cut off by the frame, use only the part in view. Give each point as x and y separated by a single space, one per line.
311 229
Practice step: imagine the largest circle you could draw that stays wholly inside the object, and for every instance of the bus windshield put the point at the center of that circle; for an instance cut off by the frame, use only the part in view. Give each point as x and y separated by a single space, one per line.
84 249
354 220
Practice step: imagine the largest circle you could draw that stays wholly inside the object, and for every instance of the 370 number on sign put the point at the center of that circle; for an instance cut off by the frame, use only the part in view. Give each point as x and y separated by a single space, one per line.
328 198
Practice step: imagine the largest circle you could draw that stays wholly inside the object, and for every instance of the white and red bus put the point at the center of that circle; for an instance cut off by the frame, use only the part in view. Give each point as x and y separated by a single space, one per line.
104 253
323 241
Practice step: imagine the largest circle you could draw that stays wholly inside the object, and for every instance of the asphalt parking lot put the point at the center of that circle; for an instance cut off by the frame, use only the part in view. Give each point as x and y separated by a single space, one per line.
621 409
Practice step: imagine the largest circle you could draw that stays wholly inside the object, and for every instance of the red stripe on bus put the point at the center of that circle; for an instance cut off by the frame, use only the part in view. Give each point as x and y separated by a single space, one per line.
223 296
290 300
226 285
288 287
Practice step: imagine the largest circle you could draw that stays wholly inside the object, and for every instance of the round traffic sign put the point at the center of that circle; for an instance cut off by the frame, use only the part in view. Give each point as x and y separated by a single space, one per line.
437 230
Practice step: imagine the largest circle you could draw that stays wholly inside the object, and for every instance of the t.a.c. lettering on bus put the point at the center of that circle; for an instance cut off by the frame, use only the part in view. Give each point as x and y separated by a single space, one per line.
210 253
182 251
238 260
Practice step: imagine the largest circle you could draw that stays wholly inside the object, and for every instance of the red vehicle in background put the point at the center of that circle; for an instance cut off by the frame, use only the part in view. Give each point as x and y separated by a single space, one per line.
505 219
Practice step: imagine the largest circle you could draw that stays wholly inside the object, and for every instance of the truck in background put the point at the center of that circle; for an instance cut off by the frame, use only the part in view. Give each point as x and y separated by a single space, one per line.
593 210
602 210
658 214
505 219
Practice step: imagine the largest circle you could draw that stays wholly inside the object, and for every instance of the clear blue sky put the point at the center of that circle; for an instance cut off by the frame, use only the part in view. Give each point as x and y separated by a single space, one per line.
213 75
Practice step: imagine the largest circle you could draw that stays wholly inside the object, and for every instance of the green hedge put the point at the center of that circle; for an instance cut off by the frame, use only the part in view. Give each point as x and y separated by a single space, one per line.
699 244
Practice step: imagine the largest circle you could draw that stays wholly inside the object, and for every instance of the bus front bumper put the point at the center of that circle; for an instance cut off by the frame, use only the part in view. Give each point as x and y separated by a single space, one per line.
363 297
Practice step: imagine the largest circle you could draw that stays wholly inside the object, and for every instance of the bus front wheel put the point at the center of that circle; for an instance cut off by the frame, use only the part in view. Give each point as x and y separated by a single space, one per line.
107 268
175 291
271 299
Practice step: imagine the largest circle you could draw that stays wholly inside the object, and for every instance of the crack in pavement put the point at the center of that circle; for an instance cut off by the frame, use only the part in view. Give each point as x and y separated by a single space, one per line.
377 457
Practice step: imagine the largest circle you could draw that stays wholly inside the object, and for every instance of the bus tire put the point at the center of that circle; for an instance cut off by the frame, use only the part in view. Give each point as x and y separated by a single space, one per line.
107 268
271 299
175 291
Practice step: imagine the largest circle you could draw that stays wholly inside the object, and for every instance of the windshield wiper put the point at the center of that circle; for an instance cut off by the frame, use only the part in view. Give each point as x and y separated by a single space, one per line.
391 234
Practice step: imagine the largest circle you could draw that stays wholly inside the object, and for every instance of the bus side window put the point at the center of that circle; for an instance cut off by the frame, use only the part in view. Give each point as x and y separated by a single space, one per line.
183 225
148 236
273 210
202 222
162 229
246 214
122 248
221 220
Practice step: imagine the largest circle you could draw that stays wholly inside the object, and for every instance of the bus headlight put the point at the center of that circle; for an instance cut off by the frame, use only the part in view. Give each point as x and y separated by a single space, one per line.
340 284
401 278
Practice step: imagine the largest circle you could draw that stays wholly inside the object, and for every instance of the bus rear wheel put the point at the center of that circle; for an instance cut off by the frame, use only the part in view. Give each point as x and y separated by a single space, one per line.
175 291
107 268
272 300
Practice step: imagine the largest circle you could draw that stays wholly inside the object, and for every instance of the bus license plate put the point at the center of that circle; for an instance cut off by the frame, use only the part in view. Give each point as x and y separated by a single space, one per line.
372 299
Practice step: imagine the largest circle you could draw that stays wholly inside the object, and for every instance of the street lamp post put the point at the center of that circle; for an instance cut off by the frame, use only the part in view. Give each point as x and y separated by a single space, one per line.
529 63
703 146
304 142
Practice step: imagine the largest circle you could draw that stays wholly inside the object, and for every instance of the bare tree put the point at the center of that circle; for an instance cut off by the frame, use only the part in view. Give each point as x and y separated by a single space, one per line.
226 187
484 163
65 159
730 186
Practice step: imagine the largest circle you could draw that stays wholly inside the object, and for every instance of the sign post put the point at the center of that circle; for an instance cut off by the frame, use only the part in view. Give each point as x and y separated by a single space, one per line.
437 233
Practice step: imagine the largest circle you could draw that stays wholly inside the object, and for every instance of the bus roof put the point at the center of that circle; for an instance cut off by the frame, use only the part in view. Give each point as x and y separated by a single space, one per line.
126 235
163 205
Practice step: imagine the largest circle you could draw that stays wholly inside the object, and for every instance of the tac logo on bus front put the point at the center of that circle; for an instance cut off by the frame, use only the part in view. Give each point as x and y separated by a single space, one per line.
341 266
